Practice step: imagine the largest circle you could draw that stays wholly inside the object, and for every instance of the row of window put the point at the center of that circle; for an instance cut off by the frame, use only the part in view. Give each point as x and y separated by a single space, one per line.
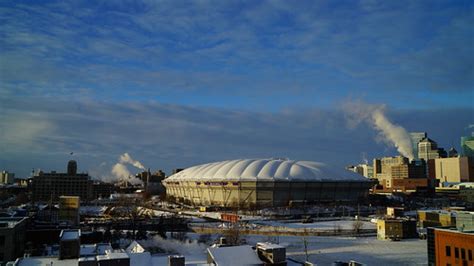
456 253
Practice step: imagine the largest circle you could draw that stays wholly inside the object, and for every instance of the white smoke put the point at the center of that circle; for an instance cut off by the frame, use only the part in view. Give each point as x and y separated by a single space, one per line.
187 247
126 158
121 172
364 157
374 115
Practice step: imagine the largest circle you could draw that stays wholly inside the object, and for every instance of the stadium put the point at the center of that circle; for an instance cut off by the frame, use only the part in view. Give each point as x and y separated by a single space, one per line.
257 183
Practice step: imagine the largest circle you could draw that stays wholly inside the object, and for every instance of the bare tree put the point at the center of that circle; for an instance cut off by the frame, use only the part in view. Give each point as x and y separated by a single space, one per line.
337 228
305 244
233 234
357 226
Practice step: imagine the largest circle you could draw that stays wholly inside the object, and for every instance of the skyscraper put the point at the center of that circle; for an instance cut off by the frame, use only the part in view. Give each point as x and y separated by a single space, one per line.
427 149
415 138
467 146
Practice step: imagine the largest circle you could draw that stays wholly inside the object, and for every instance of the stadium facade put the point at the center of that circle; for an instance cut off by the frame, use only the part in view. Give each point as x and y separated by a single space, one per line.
257 183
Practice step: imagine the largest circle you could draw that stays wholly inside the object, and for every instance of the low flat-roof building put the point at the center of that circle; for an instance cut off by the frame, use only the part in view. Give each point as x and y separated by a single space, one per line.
396 229
12 238
70 244
233 256
430 218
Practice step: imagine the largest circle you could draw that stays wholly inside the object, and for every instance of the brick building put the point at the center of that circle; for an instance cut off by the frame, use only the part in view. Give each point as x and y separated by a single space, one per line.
450 247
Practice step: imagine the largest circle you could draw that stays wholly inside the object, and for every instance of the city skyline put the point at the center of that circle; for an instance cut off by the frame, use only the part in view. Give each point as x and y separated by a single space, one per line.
181 83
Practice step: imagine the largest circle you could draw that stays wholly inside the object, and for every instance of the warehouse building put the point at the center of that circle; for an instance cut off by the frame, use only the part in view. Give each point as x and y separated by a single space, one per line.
249 183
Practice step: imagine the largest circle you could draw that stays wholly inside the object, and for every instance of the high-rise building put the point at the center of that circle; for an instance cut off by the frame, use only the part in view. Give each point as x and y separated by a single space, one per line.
50 186
467 146
415 138
362 169
152 181
7 178
391 170
454 170
427 149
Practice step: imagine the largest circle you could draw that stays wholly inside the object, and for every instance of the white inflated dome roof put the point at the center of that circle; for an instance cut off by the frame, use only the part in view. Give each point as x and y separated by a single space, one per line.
264 170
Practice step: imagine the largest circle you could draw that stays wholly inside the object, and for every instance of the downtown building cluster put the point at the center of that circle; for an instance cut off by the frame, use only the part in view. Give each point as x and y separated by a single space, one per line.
431 168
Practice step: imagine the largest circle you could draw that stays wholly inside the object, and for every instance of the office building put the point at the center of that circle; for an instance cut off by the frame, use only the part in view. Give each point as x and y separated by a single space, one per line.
450 247
467 146
362 169
397 172
152 181
428 149
50 186
453 170
7 178
415 138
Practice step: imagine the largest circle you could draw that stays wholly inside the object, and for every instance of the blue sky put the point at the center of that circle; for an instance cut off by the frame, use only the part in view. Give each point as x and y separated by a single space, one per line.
236 73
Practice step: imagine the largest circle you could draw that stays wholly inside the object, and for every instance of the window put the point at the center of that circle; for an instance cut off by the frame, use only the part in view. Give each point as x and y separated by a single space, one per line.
469 254
456 253
448 251
463 254
2 241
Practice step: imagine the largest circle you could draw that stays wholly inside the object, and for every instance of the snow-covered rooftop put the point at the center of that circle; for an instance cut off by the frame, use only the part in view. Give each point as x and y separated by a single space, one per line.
233 256
70 235
112 255
265 170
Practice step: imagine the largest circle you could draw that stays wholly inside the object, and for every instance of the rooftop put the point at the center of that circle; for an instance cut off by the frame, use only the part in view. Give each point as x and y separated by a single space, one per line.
235 255
11 222
265 170
112 255
267 245
67 235
454 230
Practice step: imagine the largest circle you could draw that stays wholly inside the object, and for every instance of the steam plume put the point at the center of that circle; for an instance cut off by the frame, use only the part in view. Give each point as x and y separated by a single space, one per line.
388 132
126 158
187 247
121 172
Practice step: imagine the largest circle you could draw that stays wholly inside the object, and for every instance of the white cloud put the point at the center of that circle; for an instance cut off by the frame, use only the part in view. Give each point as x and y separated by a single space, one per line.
22 130
172 136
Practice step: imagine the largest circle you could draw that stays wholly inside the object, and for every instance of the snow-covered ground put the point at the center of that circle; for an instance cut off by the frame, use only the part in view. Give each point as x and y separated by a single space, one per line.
325 225
326 250
368 250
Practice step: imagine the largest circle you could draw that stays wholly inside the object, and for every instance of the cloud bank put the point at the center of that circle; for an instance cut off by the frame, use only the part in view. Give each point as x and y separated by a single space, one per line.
221 53
166 136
